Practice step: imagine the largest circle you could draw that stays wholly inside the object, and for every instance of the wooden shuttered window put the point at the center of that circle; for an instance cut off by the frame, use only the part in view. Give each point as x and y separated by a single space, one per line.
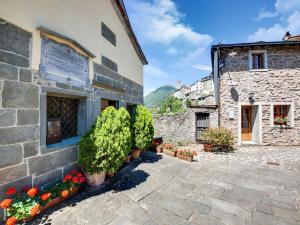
281 111
108 34
258 61
109 64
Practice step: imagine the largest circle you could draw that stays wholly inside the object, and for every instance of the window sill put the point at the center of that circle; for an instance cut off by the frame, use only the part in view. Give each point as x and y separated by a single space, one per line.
64 143
283 127
259 70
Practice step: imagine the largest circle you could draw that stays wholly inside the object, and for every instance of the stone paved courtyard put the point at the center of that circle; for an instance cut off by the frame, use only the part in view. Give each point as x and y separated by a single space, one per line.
237 188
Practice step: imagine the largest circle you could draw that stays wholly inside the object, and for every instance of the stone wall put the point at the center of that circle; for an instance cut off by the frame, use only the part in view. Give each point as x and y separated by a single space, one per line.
280 83
25 158
182 126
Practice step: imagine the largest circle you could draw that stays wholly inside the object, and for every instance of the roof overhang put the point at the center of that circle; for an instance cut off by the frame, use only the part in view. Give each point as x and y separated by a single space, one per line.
121 12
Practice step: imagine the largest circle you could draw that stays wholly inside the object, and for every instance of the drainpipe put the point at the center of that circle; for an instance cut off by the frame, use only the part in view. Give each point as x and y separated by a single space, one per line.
218 75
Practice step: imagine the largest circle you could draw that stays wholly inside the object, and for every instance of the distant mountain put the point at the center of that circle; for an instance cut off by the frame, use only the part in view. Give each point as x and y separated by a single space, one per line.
154 98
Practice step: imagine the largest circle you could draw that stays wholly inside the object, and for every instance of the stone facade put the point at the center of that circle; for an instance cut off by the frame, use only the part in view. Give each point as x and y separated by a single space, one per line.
277 84
181 127
25 158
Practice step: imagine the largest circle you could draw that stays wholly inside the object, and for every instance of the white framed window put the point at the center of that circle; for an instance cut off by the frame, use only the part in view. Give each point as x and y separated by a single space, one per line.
258 60
282 114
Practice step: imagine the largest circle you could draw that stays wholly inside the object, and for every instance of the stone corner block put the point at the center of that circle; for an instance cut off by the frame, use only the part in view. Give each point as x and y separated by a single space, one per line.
44 163
27 117
30 149
19 95
12 135
10 155
8 72
25 75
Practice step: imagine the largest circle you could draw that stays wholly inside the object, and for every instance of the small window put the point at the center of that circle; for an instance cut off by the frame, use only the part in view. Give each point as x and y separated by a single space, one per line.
281 114
108 34
131 109
62 118
109 64
105 103
258 61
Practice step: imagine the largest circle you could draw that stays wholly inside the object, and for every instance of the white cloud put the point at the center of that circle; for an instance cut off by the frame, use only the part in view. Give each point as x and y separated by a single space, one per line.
160 21
173 51
155 71
263 14
290 21
287 6
202 67
274 33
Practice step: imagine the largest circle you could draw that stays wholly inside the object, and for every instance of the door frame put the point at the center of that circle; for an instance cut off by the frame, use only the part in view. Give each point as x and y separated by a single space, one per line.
248 131
257 104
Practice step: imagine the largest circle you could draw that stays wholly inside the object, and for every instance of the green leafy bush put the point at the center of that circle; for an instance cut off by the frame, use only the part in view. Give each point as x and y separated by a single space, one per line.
105 147
143 129
220 138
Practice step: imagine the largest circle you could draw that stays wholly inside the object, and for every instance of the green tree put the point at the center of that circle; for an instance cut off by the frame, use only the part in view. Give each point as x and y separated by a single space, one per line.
143 129
171 104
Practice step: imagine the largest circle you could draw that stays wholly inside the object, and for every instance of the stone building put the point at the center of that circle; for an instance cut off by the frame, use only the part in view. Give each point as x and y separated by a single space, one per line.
256 86
61 63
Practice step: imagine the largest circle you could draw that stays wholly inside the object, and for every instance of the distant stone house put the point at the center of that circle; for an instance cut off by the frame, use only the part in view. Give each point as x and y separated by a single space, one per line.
61 63
255 84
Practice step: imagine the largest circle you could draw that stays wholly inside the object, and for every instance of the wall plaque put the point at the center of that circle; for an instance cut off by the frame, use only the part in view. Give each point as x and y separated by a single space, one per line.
63 64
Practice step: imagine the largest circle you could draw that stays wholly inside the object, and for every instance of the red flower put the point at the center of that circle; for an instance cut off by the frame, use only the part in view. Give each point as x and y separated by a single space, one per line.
81 179
68 177
32 192
79 175
11 191
73 171
6 203
35 210
45 196
11 221
25 189
64 193
75 180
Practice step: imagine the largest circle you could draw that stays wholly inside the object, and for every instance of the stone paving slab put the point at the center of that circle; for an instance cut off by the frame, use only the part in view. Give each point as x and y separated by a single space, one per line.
237 188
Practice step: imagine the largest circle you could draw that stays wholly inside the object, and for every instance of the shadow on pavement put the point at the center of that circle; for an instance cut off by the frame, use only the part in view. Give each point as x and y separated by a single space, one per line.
127 178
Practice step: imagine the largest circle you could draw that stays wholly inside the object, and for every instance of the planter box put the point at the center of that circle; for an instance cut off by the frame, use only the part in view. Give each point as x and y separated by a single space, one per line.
184 157
208 148
170 153
52 203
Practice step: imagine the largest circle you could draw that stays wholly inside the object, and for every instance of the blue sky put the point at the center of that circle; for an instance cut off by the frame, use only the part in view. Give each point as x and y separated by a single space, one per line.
176 35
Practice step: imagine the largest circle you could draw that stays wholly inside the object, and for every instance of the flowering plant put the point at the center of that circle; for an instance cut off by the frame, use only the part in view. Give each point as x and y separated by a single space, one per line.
29 202
168 146
185 152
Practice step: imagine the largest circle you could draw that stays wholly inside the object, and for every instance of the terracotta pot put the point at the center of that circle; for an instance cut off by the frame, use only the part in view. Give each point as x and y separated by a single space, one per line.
208 147
110 174
127 160
135 154
184 157
95 179
159 149
170 153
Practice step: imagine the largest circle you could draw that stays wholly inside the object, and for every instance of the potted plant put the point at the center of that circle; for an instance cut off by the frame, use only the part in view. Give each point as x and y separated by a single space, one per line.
28 203
186 154
92 159
218 139
142 131
169 150
278 121
285 120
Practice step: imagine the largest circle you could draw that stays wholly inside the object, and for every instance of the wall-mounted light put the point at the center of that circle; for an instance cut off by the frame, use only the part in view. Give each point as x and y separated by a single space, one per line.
251 97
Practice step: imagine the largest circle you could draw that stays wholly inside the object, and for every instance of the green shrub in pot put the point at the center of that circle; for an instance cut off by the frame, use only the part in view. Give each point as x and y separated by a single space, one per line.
219 138
143 129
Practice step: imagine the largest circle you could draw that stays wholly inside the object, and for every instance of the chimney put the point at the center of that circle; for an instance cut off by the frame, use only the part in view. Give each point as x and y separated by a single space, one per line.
287 36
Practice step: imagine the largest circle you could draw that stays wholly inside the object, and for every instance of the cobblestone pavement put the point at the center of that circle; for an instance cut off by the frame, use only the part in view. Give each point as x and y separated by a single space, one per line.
237 188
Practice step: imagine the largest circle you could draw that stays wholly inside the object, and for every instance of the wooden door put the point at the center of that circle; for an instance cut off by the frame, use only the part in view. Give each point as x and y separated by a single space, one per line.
246 123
